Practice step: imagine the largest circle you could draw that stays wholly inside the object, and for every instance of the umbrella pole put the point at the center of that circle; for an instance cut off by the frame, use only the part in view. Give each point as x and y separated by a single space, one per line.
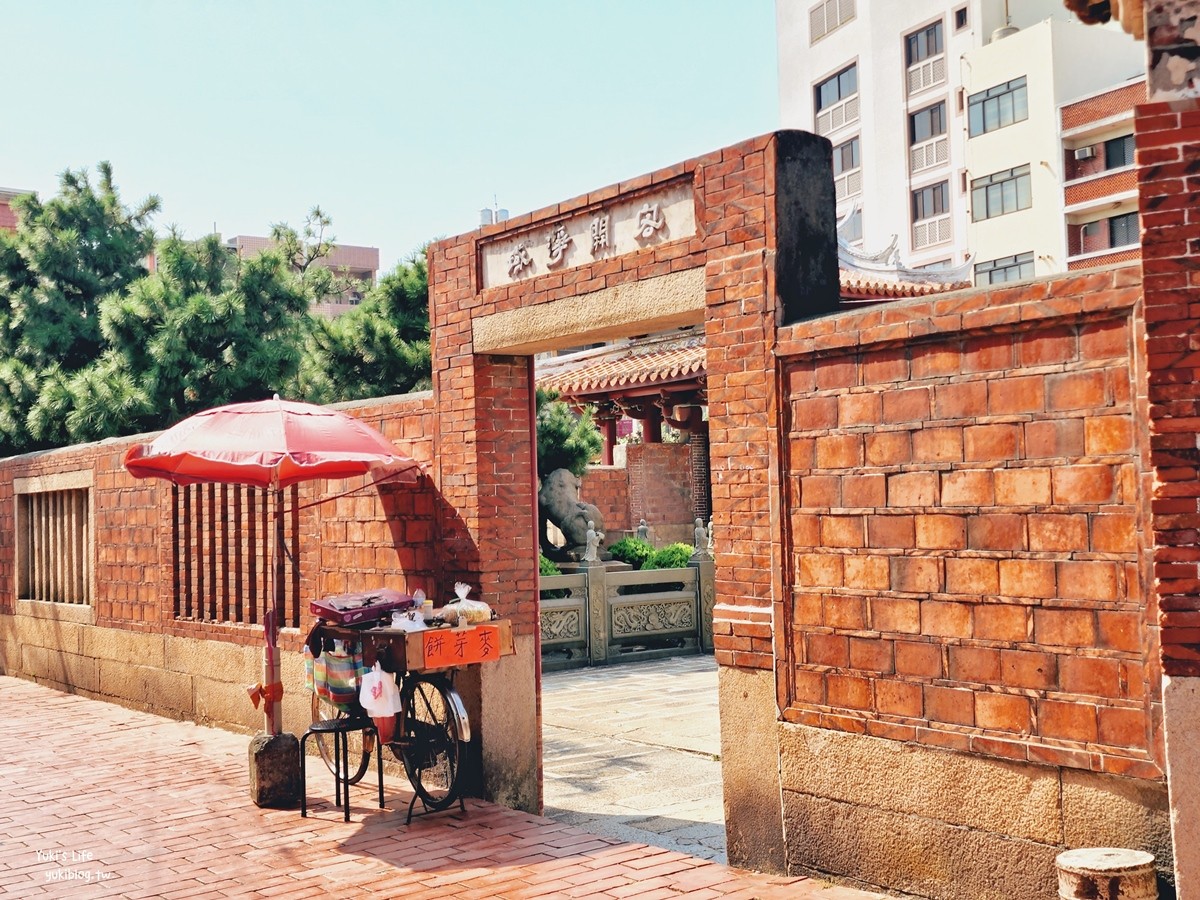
273 711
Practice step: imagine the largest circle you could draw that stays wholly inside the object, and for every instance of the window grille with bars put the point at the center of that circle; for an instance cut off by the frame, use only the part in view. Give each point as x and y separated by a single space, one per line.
222 537
54 545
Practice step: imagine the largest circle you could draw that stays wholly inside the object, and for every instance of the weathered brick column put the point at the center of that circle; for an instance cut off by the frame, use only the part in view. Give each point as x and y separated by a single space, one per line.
1168 157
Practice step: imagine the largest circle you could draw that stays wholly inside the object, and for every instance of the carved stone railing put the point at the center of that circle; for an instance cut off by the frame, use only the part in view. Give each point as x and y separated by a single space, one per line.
608 616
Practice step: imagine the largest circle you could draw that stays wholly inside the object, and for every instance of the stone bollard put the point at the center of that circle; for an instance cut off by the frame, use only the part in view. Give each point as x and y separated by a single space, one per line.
1108 873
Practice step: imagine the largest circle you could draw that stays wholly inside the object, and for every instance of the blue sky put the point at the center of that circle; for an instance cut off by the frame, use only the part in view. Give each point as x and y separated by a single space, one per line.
400 119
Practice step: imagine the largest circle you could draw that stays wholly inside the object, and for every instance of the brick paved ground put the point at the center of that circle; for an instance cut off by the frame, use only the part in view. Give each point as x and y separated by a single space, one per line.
100 801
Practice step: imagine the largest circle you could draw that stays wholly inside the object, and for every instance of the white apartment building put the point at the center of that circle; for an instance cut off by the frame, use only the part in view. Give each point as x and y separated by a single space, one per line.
945 120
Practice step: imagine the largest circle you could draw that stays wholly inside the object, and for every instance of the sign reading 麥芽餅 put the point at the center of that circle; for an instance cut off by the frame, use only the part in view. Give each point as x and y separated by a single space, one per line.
601 232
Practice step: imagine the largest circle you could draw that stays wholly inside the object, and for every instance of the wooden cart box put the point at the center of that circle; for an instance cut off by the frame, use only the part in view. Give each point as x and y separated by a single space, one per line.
436 648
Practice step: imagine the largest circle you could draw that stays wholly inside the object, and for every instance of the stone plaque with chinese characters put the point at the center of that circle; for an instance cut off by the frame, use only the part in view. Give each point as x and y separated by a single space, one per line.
602 232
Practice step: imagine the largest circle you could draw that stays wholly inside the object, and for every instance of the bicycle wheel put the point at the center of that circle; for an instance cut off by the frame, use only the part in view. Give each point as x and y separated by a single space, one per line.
433 717
359 745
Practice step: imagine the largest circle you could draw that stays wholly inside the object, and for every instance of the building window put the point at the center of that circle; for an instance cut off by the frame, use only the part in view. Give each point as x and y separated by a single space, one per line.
837 88
845 157
927 123
931 201
1007 268
54 538
828 16
960 18
847 171
1000 193
836 100
923 44
1118 152
997 107
850 228
1123 230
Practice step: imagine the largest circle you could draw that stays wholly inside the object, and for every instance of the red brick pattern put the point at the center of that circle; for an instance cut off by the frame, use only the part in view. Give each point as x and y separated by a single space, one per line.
164 812
607 488
1116 183
962 480
660 488
1103 106
1168 145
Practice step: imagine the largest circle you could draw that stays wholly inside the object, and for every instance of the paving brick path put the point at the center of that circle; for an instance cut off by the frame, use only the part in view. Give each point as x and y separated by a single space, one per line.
100 801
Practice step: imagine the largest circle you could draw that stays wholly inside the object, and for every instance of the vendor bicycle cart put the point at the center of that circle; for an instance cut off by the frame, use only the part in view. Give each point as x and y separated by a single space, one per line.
432 727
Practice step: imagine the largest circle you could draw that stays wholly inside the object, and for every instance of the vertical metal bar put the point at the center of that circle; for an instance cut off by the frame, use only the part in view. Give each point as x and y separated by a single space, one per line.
224 553
36 519
265 551
252 555
239 537
198 554
210 554
175 554
279 585
294 619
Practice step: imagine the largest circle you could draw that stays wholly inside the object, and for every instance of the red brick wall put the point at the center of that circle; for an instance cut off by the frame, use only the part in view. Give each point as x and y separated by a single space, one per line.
660 485
607 488
1168 142
963 484
379 536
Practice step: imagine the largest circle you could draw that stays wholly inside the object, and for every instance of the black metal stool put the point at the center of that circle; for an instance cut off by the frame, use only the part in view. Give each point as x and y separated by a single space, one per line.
339 728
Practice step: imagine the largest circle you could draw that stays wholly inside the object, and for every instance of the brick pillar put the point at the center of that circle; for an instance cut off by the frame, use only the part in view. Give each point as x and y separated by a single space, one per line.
1168 156
749 290
483 452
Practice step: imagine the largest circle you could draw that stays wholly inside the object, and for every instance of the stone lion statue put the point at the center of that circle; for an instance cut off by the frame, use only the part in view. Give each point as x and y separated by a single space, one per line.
558 502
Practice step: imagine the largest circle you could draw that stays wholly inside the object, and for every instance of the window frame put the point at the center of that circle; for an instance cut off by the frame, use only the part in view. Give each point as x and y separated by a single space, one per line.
993 189
913 40
997 93
856 155
1004 264
35 580
1127 219
912 118
818 106
939 194
1126 143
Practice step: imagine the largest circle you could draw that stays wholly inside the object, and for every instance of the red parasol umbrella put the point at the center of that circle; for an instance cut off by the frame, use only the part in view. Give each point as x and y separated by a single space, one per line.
268 443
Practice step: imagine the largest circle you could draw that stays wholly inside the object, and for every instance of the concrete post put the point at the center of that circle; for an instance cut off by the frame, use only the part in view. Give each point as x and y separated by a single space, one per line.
1106 872
597 603
706 596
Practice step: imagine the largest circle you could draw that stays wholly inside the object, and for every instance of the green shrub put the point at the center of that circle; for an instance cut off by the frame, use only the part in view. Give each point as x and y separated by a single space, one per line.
548 567
674 556
631 550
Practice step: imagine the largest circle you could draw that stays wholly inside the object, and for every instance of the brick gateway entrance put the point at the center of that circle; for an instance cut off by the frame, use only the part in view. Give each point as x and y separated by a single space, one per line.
940 524
935 615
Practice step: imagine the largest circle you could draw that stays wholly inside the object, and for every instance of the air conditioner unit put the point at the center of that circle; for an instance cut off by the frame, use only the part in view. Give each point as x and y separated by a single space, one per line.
1085 153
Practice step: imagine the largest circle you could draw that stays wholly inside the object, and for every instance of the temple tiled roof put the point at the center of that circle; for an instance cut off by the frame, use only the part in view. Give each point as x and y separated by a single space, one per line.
623 366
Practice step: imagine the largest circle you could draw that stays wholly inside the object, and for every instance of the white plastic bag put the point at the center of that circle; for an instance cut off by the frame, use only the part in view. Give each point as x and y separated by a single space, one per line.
378 694
380 697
